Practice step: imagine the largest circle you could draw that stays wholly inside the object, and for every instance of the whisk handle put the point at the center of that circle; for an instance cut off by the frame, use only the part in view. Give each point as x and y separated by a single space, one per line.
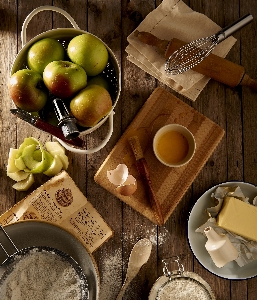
229 30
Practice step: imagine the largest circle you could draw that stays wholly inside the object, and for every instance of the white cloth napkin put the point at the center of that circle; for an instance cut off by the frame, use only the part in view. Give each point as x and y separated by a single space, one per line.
174 19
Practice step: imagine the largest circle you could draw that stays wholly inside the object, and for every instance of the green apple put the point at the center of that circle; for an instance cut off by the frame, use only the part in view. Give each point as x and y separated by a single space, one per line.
37 155
31 158
89 52
64 78
26 142
34 165
54 146
55 149
90 105
27 90
99 80
63 157
43 52
11 167
55 167
18 176
25 184
19 163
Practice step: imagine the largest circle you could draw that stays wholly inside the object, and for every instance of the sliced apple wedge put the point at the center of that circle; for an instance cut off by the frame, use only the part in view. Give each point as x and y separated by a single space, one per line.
18 176
54 146
37 155
11 167
34 165
19 163
55 167
65 160
31 158
27 141
63 157
25 184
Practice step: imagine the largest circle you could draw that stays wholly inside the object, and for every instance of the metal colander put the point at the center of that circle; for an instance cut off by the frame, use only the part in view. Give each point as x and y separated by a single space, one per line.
8 266
111 73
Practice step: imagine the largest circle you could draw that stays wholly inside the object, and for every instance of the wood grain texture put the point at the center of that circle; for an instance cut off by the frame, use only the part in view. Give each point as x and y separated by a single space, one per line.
169 184
233 109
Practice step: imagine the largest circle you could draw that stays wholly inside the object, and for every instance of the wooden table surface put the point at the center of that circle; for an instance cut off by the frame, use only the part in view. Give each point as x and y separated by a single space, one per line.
234 110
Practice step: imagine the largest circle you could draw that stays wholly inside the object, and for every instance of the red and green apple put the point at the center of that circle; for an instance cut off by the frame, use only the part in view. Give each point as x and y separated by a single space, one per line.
90 105
64 78
27 90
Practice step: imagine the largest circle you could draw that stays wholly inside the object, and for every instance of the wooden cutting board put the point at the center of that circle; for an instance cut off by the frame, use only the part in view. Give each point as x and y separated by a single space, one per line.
169 184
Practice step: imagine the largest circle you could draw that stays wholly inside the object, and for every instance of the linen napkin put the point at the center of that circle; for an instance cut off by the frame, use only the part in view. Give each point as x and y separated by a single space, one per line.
174 19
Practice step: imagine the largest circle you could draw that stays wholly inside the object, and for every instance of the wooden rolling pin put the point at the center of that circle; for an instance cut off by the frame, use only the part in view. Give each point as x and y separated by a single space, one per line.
213 66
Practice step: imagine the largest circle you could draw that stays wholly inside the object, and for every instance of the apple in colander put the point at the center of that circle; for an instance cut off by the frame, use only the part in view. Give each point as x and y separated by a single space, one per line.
43 52
89 52
27 90
90 105
64 78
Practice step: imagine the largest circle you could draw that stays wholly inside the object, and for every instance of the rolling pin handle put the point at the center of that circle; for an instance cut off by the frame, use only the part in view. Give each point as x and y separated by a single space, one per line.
248 81
150 39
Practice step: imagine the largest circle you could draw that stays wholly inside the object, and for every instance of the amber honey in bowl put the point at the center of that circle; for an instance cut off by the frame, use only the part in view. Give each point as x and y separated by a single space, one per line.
174 145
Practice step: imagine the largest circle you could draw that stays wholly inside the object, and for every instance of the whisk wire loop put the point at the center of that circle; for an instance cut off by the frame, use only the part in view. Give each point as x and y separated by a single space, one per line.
191 54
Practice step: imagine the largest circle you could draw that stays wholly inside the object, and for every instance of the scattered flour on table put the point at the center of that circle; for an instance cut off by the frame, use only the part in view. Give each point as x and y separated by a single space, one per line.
40 276
112 268
112 264
182 290
150 234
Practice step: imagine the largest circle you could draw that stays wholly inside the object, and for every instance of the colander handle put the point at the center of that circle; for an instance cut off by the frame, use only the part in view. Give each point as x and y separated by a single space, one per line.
10 240
39 9
93 150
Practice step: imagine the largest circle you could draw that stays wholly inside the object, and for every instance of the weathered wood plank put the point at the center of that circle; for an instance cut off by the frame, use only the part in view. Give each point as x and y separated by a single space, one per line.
136 88
233 109
8 50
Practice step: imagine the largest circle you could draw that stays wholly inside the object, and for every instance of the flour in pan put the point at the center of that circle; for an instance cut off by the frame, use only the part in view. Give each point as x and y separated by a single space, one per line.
39 276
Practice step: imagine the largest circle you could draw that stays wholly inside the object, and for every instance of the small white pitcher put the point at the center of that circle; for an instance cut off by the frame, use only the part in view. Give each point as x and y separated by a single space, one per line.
219 247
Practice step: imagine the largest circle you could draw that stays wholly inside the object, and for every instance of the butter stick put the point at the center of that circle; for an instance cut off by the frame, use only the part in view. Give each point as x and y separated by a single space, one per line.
238 217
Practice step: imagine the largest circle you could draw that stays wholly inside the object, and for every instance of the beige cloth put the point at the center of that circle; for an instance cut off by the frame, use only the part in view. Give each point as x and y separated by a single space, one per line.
174 19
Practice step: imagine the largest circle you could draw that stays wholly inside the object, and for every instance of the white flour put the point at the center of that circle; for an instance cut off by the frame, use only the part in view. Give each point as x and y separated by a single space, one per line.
182 290
110 277
160 239
40 276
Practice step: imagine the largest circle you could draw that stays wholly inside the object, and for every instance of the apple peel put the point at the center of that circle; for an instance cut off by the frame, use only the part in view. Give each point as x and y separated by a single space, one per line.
126 183
31 158
25 184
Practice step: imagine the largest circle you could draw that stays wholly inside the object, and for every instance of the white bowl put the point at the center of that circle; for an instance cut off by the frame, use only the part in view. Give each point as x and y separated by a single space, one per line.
186 133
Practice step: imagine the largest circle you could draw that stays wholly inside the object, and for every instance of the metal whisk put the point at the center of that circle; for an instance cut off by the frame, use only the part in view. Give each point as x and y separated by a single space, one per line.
191 54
